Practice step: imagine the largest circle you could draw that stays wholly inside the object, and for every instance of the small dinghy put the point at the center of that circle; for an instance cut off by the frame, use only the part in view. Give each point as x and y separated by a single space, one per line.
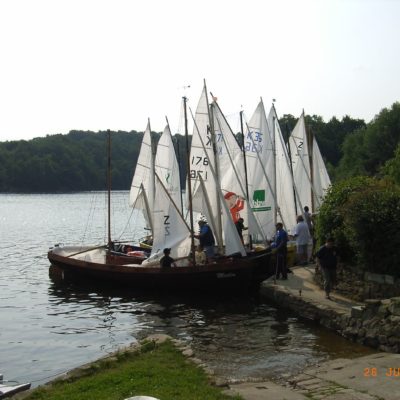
9 388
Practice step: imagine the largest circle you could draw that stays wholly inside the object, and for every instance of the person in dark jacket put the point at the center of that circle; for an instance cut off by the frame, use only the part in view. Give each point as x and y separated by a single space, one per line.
327 261
167 261
206 238
281 239
240 228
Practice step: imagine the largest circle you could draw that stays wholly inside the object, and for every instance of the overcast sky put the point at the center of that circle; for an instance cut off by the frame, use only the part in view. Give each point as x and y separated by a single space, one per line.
111 64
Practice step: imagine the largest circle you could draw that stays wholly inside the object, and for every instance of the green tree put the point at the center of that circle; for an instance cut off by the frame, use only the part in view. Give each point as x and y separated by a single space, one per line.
367 150
363 214
391 169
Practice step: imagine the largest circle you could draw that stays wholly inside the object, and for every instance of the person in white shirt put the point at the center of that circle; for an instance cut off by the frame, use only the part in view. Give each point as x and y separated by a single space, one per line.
302 236
200 256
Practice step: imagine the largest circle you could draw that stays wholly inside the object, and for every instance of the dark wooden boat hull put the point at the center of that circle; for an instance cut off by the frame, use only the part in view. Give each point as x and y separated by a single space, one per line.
225 274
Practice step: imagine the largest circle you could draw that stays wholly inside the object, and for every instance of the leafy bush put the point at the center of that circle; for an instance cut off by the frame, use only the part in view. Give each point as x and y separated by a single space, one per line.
363 214
391 169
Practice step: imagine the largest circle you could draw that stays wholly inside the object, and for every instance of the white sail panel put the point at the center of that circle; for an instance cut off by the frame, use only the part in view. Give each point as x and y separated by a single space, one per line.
261 170
321 180
144 172
301 165
202 163
285 195
232 241
166 166
169 228
232 171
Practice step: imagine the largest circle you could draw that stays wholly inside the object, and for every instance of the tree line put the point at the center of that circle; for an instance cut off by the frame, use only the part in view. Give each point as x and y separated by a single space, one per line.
77 161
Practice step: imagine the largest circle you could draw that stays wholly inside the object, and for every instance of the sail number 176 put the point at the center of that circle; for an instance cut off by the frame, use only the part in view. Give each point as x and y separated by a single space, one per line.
197 160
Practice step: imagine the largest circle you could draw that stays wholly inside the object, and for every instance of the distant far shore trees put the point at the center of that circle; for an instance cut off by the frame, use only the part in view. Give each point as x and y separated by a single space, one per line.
77 161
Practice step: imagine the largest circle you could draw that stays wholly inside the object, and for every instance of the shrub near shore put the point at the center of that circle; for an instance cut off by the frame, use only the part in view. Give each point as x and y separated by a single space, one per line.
363 214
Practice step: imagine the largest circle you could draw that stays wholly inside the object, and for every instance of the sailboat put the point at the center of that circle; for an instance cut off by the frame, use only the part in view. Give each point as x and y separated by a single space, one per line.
232 270
309 172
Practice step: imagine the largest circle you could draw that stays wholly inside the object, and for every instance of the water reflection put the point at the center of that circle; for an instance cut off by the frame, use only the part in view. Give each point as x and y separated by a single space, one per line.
238 337
49 328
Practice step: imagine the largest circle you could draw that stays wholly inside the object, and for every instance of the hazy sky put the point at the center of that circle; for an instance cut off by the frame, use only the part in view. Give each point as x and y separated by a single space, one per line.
111 64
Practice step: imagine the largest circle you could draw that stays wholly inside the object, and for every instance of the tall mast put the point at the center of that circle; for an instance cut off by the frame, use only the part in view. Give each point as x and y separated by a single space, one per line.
309 136
217 181
244 155
109 186
245 170
189 188
274 158
178 159
290 164
152 170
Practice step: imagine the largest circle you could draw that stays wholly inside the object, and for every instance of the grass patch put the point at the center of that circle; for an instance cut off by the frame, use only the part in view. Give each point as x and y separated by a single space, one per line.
158 370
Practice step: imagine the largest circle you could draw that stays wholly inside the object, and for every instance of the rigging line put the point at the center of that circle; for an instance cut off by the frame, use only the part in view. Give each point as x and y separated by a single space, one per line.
91 212
127 224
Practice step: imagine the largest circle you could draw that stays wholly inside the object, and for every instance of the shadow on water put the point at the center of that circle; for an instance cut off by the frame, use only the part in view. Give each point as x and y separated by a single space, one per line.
240 337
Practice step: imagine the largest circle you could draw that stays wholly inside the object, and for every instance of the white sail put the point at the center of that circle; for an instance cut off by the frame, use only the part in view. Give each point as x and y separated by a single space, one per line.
144 176
261 170
166 166
169 228
321 180
232 171
202 161
301 164
233 244
285 194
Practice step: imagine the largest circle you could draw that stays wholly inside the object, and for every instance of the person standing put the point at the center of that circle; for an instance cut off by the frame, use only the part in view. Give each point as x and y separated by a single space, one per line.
240 228
281 239
302 236
327 261
308 217
206 237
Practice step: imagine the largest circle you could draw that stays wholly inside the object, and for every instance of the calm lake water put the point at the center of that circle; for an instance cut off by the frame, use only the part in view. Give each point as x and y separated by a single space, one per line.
48 328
